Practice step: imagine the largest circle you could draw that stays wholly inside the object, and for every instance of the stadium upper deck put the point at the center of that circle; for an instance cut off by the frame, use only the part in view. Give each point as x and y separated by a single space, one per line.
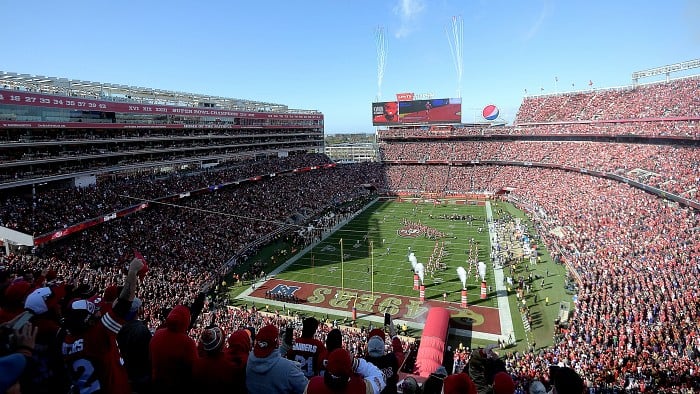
661 109
58 129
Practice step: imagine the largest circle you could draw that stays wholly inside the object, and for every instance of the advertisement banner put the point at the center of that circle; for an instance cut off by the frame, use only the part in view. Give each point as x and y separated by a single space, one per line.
429 111
405 96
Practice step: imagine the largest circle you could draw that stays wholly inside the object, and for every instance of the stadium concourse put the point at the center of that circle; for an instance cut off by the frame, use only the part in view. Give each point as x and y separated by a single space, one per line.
621 212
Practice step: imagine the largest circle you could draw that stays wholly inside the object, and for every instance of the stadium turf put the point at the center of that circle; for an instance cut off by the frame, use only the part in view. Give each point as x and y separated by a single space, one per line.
370 254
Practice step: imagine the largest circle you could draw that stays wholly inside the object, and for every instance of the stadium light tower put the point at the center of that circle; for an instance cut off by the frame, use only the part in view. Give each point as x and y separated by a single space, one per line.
455 37
382 48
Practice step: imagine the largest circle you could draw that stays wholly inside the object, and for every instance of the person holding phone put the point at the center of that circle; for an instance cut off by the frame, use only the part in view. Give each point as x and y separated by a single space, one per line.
13 365
387 362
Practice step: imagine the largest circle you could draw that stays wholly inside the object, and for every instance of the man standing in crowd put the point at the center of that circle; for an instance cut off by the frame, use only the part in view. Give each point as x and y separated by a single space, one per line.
90 347
308 351
388 363
267 372
213 372
173 353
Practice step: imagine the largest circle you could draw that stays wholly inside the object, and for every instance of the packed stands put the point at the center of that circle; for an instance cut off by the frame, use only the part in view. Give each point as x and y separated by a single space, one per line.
634 327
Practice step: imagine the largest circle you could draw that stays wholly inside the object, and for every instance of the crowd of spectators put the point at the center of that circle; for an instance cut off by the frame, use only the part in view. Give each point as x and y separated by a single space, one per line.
665 109
638 257
672 168
53 209
635 324
677 98
673 128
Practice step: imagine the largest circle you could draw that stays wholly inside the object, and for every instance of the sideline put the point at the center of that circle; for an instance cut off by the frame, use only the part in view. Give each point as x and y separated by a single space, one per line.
502 293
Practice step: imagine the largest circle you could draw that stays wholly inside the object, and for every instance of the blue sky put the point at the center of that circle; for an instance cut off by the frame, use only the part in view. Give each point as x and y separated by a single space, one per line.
323 54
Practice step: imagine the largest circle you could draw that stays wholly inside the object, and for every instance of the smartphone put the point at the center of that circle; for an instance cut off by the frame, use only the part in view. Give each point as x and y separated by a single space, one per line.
289 335
387 318
22 320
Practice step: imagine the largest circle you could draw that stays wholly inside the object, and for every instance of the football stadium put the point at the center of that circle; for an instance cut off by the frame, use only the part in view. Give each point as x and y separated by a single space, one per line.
165 241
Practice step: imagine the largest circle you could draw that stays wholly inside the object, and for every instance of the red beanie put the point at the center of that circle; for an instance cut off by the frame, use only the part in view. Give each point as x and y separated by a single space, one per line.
459 383
339 363
503 384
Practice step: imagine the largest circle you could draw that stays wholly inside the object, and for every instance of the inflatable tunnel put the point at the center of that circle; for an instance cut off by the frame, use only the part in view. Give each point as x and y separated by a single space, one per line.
432 342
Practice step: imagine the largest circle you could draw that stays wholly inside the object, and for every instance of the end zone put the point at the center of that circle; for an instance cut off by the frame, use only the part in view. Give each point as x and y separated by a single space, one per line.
484 322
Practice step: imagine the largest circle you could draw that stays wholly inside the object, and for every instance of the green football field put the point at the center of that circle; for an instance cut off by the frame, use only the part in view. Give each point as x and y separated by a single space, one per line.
375 247
376 244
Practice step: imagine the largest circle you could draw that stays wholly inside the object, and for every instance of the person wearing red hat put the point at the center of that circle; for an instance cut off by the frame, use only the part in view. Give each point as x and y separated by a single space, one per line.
343 375
237 352
13 301
267 372
390 362
503 383
459 383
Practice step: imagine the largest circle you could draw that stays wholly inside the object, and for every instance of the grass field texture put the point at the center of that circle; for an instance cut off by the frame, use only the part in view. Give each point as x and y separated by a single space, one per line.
375 247
374 250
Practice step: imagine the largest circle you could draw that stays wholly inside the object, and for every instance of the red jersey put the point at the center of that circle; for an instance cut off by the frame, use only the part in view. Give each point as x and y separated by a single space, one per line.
309 352
94 361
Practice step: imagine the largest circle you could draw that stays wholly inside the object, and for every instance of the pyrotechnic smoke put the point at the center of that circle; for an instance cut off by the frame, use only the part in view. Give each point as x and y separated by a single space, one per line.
482 270
462 273
413 260
420 270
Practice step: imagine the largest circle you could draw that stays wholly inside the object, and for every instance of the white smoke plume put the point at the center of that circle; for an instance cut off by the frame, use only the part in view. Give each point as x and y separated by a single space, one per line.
420 270
462 273
482 270
413 260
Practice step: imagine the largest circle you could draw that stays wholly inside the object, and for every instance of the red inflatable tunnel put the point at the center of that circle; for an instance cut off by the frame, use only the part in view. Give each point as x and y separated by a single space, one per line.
432 342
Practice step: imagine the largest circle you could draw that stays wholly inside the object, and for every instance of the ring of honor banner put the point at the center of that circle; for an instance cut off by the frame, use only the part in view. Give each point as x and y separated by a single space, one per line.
387 113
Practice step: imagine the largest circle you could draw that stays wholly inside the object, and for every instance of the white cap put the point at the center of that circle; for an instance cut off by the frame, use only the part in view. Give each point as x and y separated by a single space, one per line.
36 300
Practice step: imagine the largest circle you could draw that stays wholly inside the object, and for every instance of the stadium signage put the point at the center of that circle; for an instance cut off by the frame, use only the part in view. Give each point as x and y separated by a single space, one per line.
404 96
278 292
43 100
424 111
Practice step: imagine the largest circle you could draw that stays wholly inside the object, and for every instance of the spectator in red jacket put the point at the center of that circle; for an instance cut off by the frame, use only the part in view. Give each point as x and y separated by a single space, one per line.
173 353
90 347
237 352
214 372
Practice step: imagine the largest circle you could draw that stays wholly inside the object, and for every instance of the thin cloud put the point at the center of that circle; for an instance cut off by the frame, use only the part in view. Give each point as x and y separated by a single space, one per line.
691 15
535 28
408 12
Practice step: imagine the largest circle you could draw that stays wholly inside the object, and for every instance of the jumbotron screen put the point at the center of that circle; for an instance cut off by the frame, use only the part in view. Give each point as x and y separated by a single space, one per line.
447 110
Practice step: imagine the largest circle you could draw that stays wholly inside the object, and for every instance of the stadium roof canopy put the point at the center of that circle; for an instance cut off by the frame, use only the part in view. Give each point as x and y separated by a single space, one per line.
136 94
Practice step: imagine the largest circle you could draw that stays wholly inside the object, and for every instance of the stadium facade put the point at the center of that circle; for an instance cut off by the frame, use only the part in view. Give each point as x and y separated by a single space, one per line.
63 130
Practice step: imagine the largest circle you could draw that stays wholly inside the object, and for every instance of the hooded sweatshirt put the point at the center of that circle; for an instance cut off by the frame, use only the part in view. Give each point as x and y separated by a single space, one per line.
238 348
173 353
274 375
